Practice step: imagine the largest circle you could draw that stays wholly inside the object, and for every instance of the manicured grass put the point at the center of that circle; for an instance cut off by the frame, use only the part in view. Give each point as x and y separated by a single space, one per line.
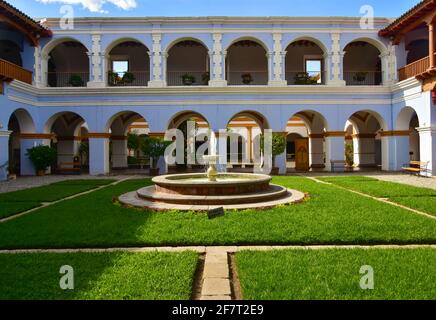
54 191
423 199
399 274
120 276
19 201
10 208
330 216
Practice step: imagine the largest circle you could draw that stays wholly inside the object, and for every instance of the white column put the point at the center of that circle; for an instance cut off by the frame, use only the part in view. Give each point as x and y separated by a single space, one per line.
221 136
275 59
316 150
427 144
334 62
98 154
389 65
335 148
37 76
4 154
96 64
43 70
157 75
119 152
217 69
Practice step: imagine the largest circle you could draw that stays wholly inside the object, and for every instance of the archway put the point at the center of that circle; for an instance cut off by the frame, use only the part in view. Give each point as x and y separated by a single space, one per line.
69 137
305 138
359 71
363 142
408 120
126 131
304 63
188 64
68 65
243 129
247 63
20 122
196 132
128 64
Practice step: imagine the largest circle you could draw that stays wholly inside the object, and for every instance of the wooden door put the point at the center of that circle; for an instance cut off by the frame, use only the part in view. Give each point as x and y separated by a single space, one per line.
302 154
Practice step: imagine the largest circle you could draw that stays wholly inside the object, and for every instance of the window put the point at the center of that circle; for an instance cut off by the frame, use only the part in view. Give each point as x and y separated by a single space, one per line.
120 67
314 69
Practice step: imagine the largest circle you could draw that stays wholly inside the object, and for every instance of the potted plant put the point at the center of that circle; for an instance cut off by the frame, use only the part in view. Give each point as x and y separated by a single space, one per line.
113 78
360 76
154 148
247 78
128 78
76 81
41 157
205 78
349 154
188 79
303 78
278 147
83 152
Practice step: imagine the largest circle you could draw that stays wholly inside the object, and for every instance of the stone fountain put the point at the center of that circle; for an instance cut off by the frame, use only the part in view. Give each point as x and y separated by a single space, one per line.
206 191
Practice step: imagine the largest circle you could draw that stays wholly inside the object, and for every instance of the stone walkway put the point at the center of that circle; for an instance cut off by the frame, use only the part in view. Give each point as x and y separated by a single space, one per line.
31 182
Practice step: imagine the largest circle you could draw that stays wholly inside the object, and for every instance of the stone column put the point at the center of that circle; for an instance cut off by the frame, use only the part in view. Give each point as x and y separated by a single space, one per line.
98 153
119 152
157 76
217 63
68 148
388 62
96 64
427 145
28 141
43 70
334 62
277 68
316 150
4 154
37 76
221 137
364 149
335 147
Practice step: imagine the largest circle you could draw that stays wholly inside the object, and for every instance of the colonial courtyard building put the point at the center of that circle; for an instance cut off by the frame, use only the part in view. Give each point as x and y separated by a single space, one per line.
330 85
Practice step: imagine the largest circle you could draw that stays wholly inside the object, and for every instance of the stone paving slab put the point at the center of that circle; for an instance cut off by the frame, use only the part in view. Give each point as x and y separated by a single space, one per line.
216 287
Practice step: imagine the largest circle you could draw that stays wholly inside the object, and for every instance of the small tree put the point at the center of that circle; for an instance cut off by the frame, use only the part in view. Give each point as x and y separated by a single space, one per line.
278 145
133 141
154 148
42 157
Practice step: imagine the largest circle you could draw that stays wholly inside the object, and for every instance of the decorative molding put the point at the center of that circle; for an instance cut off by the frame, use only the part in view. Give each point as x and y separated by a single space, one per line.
335 134
118 138
157 134
426 130
71 138
397 133
364 136
5 133
34 136
278 102
98 135
281 133
316 136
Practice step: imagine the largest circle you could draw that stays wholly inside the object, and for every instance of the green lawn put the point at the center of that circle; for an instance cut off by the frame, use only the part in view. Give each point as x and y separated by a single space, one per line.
120 276
334 274
18 201
423 199
331 216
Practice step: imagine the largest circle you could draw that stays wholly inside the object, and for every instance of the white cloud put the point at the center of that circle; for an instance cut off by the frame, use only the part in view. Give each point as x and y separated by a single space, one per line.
96 5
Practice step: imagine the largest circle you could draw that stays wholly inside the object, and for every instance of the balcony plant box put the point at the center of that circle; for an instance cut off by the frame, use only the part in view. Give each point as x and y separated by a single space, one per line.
188 79
247 78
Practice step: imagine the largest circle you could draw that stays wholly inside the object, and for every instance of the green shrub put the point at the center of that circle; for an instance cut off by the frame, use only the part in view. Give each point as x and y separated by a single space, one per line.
42 157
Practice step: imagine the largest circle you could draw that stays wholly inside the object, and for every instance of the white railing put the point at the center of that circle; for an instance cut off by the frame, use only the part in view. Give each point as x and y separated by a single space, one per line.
67 79
363 78
187 78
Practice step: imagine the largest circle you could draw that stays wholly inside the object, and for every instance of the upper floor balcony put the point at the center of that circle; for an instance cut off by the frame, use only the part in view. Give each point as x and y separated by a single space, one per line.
10 71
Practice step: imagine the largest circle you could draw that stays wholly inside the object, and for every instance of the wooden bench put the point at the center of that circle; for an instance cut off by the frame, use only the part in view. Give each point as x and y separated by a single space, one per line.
416 167
335 163
69 168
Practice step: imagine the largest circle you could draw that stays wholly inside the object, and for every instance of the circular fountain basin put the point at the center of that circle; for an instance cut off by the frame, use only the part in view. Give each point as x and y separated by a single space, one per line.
199 184
194 192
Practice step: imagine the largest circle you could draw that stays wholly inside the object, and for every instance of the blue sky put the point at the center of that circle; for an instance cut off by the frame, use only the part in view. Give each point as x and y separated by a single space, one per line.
112 8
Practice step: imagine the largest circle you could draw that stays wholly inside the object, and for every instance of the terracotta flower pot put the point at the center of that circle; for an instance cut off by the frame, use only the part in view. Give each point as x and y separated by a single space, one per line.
40 173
